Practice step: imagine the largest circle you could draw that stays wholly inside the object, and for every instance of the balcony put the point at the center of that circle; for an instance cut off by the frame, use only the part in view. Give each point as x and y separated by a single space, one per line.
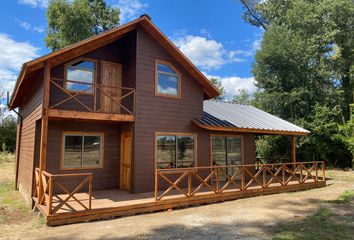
92 102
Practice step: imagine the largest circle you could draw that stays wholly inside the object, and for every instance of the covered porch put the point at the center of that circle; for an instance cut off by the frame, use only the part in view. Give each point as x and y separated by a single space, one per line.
174 188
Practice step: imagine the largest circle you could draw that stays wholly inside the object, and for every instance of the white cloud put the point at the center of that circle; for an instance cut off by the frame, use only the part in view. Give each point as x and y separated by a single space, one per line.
210 54
11 58
205 53
130 9
233 84
35 3
28 27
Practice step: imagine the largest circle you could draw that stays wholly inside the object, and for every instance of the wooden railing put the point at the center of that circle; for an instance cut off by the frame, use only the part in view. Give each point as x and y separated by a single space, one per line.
94 97
55 195
190 181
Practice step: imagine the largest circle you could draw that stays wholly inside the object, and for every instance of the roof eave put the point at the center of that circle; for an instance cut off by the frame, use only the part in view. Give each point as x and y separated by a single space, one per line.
250 130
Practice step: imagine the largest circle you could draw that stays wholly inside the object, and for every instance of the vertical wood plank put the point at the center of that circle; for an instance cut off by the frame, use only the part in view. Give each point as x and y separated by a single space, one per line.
44 126
156 184
293 151
50 202
90 191
189 182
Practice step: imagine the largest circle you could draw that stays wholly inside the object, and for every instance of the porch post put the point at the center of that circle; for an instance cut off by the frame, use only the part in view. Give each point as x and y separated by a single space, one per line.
44 128
293 151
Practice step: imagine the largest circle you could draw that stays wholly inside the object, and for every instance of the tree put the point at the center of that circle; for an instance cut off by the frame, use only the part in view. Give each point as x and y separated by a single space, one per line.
217 83
73 21
305 70
242 98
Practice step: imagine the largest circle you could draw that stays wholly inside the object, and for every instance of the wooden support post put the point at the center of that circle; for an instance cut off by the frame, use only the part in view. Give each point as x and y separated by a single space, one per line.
217 180
323 171
90 192
44 127
293 151
156 184
189 183
50 201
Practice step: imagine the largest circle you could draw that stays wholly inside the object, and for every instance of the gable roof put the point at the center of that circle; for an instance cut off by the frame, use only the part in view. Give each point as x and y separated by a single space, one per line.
224 116
97 41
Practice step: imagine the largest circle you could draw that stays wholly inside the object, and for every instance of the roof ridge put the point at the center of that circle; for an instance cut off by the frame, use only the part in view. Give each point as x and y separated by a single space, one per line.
229 102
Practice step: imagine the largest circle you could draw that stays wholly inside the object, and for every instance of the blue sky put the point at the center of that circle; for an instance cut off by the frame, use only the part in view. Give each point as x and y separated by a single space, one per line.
211 33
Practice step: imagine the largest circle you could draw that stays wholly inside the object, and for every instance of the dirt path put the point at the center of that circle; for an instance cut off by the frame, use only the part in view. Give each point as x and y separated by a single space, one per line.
249 218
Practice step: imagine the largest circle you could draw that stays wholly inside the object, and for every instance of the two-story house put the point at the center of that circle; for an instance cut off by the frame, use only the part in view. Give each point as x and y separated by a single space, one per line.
124 123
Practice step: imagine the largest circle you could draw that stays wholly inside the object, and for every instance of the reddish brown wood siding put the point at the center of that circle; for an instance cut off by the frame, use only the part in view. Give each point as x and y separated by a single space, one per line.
121 51
31 111
158 114
27 153
103 178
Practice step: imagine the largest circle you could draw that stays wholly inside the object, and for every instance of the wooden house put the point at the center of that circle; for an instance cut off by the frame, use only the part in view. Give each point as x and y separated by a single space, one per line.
123 123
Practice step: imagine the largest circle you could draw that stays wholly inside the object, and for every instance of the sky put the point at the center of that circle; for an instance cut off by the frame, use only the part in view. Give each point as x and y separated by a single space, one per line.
211 33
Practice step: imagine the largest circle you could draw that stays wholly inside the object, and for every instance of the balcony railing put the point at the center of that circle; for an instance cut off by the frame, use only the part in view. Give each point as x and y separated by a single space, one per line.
235 178
96 98
53 184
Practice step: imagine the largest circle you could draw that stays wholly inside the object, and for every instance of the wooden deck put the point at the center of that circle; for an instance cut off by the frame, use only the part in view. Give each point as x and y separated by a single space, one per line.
116 203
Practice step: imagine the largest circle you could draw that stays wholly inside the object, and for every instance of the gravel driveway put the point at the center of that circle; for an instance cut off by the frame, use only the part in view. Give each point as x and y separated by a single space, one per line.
250 218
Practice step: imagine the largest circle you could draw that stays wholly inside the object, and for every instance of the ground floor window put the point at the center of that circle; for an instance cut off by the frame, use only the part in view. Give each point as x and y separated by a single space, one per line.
175 150
81 150
226 150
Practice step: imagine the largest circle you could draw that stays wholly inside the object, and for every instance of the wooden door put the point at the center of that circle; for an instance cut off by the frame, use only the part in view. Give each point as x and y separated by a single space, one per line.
125 161
110 92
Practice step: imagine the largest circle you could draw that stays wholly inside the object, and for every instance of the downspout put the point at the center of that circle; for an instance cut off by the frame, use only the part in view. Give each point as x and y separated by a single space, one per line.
19 132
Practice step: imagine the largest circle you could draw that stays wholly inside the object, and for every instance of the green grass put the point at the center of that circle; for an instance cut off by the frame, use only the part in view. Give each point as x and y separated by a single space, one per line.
346 198
12 205
325 224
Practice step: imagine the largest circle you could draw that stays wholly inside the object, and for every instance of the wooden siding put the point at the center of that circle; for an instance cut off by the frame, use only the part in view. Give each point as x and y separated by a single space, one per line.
31 111
156 113
103 178
121 51
27 154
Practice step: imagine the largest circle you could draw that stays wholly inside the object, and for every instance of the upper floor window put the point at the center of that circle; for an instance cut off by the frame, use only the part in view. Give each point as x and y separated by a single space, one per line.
80 76
168 80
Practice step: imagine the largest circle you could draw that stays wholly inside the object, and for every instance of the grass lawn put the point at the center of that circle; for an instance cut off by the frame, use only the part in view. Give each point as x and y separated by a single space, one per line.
12 206
334 220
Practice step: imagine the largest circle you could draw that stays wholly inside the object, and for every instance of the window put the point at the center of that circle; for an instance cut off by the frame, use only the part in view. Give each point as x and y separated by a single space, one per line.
80 76
82 150
167 80
175 151
226 150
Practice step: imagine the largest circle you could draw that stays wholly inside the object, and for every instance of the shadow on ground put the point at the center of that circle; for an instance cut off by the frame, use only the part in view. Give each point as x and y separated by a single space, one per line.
322 223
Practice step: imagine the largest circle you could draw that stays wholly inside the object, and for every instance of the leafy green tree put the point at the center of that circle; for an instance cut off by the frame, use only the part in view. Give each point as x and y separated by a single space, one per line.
217 83
242 98
73 21
305 70
8 134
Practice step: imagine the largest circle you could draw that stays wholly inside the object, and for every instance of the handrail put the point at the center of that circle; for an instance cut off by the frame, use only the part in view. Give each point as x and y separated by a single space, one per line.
102 100
238 165
50 181
242 177
91 84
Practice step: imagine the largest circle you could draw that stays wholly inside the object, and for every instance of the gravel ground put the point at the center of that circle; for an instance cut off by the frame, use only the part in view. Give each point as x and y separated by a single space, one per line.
250 218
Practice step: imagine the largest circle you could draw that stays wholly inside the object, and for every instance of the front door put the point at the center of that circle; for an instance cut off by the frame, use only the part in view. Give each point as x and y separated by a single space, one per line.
110 91
125 161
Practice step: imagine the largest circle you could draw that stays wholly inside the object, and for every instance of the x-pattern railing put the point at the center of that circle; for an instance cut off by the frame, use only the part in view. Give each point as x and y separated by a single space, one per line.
56 195
122 103
190 181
